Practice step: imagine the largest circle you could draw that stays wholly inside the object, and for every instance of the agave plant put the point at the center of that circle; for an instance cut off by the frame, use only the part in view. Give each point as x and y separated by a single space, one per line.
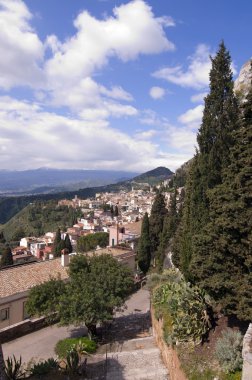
13 368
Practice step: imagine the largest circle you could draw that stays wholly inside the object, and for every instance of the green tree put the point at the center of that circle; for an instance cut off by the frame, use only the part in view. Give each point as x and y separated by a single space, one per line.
225 266
143 250
215 140
44 299
158 213
97 285
116 211
68 244
57 244
6 258
91 241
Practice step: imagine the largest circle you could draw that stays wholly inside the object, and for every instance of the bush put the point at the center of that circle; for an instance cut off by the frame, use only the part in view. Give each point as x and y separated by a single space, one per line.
65 345
43 367
228 351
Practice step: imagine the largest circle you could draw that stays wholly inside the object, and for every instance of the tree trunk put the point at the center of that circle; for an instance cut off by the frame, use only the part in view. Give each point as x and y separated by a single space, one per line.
91 329
2 371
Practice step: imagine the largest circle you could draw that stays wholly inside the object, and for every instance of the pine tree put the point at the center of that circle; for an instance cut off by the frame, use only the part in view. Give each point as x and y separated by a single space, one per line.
68 244
158 213
143 251
6 258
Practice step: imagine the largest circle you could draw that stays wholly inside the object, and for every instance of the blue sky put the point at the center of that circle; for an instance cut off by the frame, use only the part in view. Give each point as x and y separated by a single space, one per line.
100 84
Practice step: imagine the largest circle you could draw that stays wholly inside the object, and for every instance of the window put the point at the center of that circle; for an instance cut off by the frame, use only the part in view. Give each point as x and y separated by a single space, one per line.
4 314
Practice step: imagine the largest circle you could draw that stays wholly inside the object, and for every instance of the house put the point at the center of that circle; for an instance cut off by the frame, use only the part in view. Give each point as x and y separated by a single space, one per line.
16 282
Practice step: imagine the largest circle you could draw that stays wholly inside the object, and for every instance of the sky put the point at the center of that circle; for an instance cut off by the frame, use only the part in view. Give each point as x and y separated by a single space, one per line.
102 84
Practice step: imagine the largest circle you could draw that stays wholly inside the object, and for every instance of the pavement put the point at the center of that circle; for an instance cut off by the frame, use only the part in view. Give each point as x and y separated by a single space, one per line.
40 344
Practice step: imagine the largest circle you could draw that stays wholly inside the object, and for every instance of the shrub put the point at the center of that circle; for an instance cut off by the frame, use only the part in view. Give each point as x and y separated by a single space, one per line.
65 345
228 351
43 367
13 368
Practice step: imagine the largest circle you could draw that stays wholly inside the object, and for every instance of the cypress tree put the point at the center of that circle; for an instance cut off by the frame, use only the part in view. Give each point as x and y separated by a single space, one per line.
225 266
56 244
215 140
143 251
158 213
68 244
6 258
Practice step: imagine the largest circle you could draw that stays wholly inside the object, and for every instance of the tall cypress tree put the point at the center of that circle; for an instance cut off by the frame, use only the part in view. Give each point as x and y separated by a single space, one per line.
144 249
68 244
215 139
225 266
6 258
158 213
57 245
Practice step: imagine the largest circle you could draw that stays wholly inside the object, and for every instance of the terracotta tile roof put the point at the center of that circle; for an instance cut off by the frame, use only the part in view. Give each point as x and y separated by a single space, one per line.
23 277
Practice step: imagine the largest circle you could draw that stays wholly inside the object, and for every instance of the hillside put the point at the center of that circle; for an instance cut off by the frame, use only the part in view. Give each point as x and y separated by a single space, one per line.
38 218
153 177
44 180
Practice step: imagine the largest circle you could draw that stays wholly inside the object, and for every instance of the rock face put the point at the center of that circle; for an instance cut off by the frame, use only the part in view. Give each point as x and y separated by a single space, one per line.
243 82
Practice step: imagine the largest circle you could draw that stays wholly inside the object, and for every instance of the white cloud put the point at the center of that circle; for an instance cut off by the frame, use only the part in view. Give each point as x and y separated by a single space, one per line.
32 137
193 117
157 92
146 135
20 48
198 98
197 74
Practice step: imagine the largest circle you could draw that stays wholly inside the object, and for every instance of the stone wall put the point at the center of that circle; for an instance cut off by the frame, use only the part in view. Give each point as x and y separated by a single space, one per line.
169 355
247 355
21 328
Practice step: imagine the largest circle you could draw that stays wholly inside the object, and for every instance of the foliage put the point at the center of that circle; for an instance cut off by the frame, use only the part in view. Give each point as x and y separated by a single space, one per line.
38 218
68 244
143 249
228 351
72 361
91 241
94 291
43 367
97 286
6 258
158 213
43 299
13 368
168 275
184 310
65 345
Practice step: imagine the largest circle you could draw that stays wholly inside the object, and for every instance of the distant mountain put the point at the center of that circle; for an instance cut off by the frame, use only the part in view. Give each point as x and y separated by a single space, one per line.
154 176
44 180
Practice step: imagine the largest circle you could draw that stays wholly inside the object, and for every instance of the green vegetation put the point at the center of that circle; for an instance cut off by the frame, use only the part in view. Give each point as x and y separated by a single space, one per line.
65 345
91 241
184 310
228 351
43 368
155 176
38 218
158 213
97 285
6 257
13 368
143 249
212 243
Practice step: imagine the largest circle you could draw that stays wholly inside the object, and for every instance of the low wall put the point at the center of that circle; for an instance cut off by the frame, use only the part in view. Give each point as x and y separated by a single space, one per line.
169 355
21 328
247 354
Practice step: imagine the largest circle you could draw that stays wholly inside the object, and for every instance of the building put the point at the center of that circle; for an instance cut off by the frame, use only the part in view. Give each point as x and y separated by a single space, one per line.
16 282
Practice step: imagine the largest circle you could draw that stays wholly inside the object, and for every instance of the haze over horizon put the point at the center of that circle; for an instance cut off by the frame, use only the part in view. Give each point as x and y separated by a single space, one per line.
109 85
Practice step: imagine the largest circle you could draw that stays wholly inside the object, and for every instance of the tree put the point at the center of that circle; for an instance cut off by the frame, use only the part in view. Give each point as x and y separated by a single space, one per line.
44 299
97 285
116 212
91 241
56 243
143 250
158 213
215 140
68 244
225 266
6 258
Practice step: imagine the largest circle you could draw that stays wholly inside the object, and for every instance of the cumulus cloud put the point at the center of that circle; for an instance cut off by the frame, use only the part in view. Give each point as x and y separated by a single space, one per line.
157 92
197 73
192 117
198 98
32 137
21 50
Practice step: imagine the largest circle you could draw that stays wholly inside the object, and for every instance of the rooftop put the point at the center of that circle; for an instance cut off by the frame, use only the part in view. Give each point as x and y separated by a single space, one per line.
21 278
